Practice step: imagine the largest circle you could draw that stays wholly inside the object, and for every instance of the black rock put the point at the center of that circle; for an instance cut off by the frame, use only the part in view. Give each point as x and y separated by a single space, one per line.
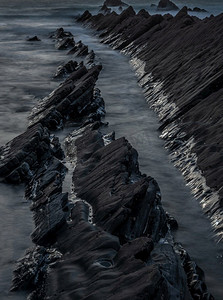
167 5
22 156
60 34
31 269
109 179
67 101
79 49
84 17
104 9
34 39
197 9
65 43
90 58
66 69
114 3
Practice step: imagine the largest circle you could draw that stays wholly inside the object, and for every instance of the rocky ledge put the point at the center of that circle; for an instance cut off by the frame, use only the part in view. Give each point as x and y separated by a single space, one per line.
178 62
109 237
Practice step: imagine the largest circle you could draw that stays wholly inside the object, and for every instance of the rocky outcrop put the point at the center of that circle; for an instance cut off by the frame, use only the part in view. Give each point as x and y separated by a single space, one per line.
23 155
110 237
175 55
197 9
167 5
34 39
118 242
110 233
69 100
108 178
104 9
64 70
60 34
79 49
114 3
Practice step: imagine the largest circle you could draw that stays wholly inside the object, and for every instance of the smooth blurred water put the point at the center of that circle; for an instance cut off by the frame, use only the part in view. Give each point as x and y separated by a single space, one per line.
26 75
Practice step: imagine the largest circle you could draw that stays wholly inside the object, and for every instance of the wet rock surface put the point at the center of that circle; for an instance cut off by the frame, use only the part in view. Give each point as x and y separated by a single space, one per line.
110 237
23 155
116 247
109 179
69 100
66 69
180 55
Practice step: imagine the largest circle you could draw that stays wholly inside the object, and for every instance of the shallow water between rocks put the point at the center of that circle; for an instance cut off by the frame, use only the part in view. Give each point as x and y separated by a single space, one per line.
28 75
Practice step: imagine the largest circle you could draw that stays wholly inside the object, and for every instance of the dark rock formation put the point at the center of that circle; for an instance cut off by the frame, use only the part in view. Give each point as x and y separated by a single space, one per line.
65 43
79 49
124 204
195 275
86 15
22 156
97 266
31 269
167 5
109 238
183 55
48 202
34 39
68 100
197 9
90 58
66 69
104 9
60 34
114 3
109 179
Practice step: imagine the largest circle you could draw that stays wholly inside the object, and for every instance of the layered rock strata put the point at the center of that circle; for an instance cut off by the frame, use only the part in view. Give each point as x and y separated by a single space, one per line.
178 62
108 239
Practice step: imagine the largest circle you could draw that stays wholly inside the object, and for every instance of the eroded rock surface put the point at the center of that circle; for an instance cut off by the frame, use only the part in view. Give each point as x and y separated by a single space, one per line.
178 61
73 96
109 238
23 155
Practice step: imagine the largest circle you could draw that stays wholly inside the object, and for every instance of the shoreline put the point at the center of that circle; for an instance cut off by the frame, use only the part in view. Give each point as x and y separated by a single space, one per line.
120 35
142 248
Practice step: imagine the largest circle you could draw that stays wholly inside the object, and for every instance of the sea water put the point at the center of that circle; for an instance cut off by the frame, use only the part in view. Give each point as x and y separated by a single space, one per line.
26 75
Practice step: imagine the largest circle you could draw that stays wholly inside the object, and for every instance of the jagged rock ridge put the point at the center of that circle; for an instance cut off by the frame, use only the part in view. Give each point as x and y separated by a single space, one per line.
176 53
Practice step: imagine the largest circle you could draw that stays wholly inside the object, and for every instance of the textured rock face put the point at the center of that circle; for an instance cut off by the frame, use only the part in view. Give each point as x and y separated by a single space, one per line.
110 256
167 5
22 156
109 179
176 54
104 9
67 101
109 238
66 69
